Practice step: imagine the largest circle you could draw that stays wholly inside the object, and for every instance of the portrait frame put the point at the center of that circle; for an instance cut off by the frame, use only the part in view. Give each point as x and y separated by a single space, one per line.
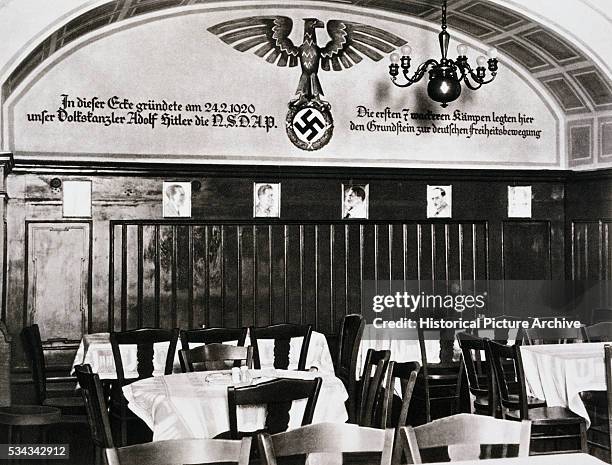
360 200
172 206
519 201
76 199
269 206
439 201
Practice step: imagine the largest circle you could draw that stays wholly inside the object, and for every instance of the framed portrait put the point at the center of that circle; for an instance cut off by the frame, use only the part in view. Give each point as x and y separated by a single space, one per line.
439 201
355 201
76 199
176 202
519 201
266 200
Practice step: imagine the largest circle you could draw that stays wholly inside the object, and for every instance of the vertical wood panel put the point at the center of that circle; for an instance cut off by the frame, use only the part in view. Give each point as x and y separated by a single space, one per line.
186 274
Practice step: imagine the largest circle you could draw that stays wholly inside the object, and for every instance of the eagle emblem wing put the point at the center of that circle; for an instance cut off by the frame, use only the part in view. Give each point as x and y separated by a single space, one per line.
350 40
267 35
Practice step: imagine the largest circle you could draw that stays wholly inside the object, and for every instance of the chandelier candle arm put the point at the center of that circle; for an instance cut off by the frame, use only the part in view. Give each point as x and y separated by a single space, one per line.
445 75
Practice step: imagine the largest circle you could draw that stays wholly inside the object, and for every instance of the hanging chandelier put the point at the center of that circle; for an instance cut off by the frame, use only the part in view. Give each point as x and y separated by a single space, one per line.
445 76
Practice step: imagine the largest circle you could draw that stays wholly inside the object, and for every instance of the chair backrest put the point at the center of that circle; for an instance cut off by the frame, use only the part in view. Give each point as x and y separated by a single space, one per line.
212 336
214 357
331 438
372 385
536 336
464 434
406 373
95 405
599 332
144 339
477 367
277 395
351 331
608 361
508 370
32 343
281 334
182 452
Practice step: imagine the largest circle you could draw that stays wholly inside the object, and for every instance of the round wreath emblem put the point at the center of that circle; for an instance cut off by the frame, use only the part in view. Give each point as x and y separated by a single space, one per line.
309 125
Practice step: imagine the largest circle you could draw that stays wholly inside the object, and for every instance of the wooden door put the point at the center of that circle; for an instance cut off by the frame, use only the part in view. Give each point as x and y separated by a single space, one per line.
58 279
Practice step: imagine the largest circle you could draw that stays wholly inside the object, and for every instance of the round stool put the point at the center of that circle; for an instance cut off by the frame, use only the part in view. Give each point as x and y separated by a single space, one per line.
28 415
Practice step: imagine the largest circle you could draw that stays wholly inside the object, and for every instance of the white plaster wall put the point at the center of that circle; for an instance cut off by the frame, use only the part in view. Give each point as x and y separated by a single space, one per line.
175 58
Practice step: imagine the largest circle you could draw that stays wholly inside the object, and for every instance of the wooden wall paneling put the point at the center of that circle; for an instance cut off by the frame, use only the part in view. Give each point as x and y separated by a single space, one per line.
261 245
354 248
246 275
339 265
526 256
148 268
133 303
167 276
309 268
115 277
183 276
278 273
200 275
215 276
294 283
323 275
230 278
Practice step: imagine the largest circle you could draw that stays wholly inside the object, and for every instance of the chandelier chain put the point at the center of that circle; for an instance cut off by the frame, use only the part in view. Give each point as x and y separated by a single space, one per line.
444 16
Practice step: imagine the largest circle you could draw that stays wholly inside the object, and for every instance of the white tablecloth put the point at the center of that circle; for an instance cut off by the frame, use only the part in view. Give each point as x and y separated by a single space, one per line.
552 459
402 350
96 350
186 405
559 372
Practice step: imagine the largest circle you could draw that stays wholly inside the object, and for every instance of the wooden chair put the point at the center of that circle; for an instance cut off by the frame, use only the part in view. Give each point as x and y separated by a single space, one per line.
599 407
478 373
536 336
406 373
278 396
97 412
14 418
329 438
463 436
214 357
372 386
182 452
144 339
72 408
599 332
351 331
212 336
438 383
281 334
546 421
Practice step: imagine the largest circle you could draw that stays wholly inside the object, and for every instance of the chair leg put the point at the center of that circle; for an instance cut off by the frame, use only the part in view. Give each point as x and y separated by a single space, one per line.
583 438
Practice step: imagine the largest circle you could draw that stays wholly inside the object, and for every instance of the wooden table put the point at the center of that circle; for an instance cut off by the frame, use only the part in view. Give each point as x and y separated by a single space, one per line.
194 405
554 459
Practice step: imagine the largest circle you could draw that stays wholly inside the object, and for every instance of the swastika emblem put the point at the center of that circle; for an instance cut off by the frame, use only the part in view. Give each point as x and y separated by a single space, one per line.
309 126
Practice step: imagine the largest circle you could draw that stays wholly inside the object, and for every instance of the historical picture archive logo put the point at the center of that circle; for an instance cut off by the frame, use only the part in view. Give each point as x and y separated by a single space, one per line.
309 121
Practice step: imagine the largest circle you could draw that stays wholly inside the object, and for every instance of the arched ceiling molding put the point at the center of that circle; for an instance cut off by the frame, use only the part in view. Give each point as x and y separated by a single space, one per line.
115 23
579 85
130 21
